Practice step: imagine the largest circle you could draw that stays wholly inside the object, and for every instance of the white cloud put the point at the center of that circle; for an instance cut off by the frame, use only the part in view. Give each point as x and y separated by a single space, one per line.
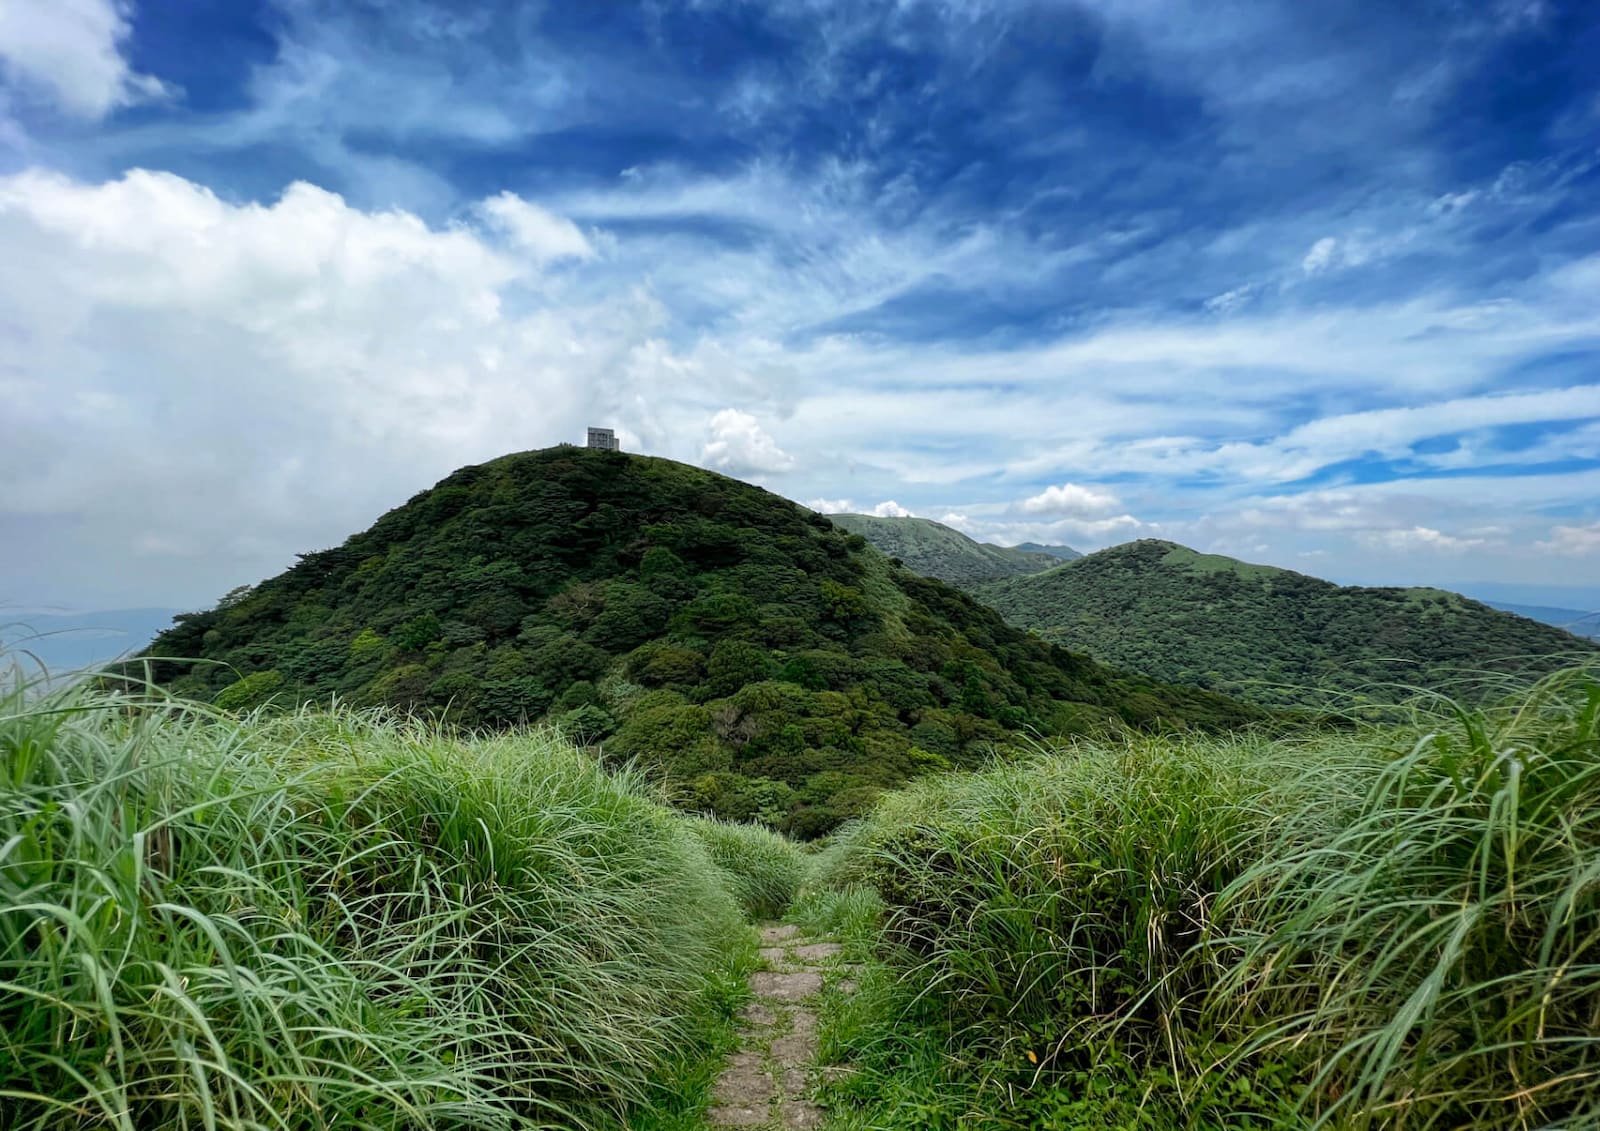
891 509
542 234
142 309
234 383
1573 541
1080 533
1230 301
740 445
1419 538
1321 256
1069 500
70 51
831 506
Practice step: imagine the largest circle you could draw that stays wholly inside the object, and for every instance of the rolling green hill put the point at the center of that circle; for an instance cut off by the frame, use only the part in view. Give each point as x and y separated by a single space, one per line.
935 550
766 663
1060 553
1270 635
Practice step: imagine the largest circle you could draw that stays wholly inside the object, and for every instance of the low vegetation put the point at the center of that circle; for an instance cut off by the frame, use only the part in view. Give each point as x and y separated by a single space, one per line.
764 869
1273 636
1395 929
340 919
345 921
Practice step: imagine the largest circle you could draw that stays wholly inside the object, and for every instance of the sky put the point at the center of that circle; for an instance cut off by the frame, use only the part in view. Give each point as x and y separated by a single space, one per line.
1310 284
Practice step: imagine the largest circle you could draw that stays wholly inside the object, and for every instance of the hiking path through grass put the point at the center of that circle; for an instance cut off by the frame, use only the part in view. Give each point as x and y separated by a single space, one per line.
768 1081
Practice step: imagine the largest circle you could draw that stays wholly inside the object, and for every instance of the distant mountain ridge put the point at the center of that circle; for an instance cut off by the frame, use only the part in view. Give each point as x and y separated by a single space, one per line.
66 642
1575 621
1270 635
935 550
1061 553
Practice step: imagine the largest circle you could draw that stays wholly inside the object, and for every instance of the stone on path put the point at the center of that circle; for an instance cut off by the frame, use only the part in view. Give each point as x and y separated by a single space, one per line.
795 1048
757 1014
795 985
800 1115
817 951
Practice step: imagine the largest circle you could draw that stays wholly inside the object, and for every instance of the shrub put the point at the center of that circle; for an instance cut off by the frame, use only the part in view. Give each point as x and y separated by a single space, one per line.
1395 929
1435 951
333 921
251 691
764 869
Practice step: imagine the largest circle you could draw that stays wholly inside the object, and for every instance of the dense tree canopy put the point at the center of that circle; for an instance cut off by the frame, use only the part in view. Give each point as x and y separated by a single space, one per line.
767 664
1274 636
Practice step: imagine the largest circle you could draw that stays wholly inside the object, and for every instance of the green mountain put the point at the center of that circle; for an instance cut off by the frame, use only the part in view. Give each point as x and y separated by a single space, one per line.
1270 635
766 663
1060 553
935 550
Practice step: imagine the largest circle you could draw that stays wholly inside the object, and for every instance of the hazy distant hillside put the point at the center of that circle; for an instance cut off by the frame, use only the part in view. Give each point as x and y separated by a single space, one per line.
1270 634
935 550
767 663
1575 621
1060 553
73 641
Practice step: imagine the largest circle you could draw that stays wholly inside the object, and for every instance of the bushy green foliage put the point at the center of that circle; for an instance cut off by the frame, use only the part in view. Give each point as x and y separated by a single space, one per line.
764 868
1372 930
790 673
1276 637
338 922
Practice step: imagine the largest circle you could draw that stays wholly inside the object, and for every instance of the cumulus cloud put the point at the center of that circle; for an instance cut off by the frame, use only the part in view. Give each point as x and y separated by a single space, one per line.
195 390
739 444
891 509
536 231
831 506
1573 541
1069 500
70 51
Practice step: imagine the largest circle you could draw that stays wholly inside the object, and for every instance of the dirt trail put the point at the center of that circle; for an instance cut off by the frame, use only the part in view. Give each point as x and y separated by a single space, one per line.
767 1081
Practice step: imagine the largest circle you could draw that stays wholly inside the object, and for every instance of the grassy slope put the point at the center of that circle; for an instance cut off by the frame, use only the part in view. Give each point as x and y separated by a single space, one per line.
1390 929
935 550
1271 635
338 921
770 665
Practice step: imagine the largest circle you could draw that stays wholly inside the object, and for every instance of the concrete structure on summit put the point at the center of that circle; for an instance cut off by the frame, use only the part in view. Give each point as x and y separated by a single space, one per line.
604 439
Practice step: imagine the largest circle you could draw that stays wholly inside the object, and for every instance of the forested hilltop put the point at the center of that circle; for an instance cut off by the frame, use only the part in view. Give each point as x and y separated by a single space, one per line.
769 664
935 550
1273 636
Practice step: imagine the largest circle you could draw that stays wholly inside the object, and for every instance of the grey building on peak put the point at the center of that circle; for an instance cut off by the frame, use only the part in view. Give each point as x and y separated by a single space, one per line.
604 439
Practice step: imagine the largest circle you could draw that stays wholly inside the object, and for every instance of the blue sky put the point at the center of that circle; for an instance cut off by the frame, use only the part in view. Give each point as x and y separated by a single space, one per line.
1312 284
